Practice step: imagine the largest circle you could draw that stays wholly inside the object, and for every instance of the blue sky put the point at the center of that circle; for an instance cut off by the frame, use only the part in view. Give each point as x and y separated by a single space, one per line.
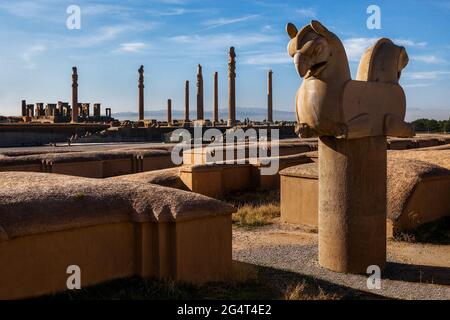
170 37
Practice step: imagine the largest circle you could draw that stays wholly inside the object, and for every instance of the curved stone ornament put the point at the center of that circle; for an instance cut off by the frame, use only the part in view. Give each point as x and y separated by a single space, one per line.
352 119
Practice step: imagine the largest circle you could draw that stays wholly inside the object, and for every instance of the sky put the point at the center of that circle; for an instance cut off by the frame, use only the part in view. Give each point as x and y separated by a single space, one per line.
170 37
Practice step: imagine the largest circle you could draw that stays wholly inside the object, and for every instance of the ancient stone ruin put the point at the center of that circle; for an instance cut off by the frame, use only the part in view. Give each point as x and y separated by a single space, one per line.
352 120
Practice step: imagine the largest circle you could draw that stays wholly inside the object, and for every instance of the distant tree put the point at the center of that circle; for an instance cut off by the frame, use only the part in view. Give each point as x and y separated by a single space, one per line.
431 125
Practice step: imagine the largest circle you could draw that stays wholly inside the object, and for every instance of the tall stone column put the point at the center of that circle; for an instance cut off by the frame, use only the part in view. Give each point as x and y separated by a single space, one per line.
216 98
269 97
24 108
141 93
74 95
200 114
97 109
231 87
186 101
169 112
352 203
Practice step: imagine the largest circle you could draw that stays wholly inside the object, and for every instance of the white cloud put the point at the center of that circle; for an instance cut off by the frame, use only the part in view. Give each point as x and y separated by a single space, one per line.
306 12
268 59
106 34
22 8
219 41
30 53
430 59
132 47
355 47
219 22
426 75
417 85
103 9
409 43
172 12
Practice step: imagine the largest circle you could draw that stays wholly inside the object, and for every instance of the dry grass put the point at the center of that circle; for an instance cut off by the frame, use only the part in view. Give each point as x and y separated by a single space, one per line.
256 216
437 232
300 291
255 209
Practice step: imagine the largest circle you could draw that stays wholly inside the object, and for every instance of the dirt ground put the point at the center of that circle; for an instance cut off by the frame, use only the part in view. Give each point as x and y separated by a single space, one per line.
414 270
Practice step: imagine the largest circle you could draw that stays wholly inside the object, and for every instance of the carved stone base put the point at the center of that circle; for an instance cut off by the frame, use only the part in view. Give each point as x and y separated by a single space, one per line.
352 203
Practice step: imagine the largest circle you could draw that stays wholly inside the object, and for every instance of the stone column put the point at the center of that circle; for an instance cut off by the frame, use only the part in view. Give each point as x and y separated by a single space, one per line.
74 95
85 107
186 101
269 97
200 115
97 109
30 112
231 87
216 98
169 112
141 93
352 203
24 108
61 108
108 112
40 109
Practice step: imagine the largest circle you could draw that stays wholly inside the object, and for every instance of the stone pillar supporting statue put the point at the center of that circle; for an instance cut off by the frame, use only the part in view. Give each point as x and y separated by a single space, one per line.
200 114
169 112
216 99
24 108
352 120
269 97
74 95
186 101
231 87
141 93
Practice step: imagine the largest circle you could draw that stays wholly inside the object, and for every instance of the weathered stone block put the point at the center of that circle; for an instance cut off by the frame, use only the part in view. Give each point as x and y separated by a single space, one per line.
110 229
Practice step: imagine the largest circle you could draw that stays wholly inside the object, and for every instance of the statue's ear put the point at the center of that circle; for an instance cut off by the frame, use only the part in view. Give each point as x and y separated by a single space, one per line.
403 59
320 29
291 29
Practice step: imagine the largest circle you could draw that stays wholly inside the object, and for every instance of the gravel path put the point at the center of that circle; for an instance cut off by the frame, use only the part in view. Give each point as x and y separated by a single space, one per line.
415 271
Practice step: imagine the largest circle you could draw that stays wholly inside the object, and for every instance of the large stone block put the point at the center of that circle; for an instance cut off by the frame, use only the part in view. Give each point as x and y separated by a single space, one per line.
210 154
417 191
110 229
98 164
165 177
299 194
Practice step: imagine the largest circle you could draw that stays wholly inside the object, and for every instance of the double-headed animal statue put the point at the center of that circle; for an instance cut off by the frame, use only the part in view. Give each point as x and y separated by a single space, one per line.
330 103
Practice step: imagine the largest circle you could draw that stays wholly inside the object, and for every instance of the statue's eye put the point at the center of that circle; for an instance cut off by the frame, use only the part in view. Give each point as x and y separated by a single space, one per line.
317 50
307 47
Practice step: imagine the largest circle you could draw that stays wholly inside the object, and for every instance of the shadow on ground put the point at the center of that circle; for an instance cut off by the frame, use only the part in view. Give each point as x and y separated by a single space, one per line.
252 283
417 273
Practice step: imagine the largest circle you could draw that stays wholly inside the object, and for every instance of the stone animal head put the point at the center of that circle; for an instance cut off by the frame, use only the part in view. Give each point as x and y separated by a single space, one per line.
315 49
383 62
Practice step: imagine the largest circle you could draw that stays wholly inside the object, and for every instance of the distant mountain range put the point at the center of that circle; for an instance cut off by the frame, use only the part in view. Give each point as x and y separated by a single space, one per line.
257 114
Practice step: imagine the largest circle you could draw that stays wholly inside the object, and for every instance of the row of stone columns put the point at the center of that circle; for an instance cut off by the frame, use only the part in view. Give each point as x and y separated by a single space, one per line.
200 93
